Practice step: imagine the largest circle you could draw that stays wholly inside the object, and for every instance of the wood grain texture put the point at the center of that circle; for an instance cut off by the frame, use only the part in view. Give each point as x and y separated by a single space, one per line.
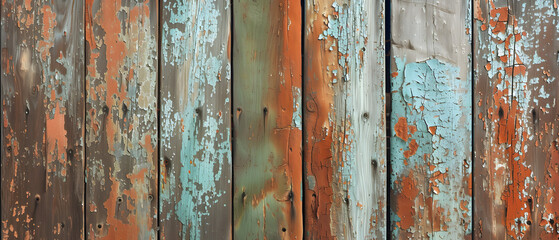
431 120
196 120
42 119
344 142
517 154
121 119
267 73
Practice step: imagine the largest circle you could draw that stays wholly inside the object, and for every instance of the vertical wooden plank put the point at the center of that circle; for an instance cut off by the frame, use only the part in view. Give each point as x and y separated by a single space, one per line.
42 119
517 155
431 120
195 120
121 127
345 131
267 73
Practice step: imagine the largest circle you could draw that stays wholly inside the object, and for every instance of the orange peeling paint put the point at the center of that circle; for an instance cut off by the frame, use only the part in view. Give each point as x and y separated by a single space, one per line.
406 202
118 228
401 128
433 130
57 141
413 149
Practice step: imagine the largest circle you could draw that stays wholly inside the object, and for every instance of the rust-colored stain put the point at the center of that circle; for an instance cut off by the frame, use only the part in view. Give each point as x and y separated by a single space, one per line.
318 198
407 202
267 191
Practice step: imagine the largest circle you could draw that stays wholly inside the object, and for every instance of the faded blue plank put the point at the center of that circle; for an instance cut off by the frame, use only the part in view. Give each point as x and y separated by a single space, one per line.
195 120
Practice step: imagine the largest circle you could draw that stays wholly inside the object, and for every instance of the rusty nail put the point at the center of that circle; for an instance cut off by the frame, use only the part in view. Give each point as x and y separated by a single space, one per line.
243 196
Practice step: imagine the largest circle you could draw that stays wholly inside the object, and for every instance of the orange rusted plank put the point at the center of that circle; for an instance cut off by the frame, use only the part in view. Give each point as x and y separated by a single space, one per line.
121 125
516 156
430 147
267 122
345 131
42 119
195 172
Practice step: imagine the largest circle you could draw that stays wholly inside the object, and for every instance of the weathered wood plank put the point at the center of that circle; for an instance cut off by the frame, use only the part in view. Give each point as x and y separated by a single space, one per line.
431 120
121 119
345 131
42 119
196 199
267 73
517 155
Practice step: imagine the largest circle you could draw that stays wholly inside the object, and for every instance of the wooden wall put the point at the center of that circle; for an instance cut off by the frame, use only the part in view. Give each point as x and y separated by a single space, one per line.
279 119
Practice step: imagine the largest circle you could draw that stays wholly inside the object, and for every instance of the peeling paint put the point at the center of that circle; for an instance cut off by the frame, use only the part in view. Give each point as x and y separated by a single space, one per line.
516 120
430 164
121 121
344 98
431 143
196 128
42 120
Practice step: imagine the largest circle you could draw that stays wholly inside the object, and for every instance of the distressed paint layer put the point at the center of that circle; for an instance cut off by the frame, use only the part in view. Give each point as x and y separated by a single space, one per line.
195 164
344 142
430 146
42 119
121 120
267 73
516 171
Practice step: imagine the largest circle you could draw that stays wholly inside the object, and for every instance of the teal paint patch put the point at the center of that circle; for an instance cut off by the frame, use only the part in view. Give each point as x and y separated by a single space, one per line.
431 96
196 48
296 120
347 22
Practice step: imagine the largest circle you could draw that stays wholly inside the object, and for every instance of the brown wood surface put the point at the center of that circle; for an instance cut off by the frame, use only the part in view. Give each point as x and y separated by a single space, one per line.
42 119
121 125
516 129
